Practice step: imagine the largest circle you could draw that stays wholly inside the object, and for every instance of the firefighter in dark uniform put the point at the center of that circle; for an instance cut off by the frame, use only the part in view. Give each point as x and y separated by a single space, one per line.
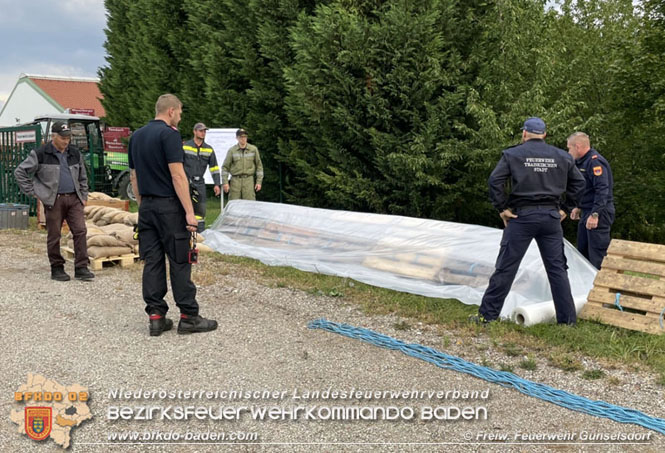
596 211
166 219
198 156
540 175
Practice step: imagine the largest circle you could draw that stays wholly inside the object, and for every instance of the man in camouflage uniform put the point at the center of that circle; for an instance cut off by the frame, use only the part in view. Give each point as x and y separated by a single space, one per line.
242 163
198 156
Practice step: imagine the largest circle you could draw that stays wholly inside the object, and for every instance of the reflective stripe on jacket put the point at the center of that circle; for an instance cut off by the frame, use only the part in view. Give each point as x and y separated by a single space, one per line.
198 158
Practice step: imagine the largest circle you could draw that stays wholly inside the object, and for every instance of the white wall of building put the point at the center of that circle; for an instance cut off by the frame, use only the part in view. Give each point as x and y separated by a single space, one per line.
25 103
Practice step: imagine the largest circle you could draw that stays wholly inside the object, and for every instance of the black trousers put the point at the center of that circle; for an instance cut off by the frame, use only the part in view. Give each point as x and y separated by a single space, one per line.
545 227
163 231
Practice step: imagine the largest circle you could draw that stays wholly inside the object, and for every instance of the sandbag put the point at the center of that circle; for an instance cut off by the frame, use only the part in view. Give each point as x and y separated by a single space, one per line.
114 228
102 252
203 247
126 236
132 219
119 217
92 230
97 216
105 240
98 196
90 211
109 215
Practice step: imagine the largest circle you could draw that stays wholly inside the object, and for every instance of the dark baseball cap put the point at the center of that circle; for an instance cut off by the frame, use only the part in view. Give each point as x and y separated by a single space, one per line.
240 132
200 126
61 129
534 125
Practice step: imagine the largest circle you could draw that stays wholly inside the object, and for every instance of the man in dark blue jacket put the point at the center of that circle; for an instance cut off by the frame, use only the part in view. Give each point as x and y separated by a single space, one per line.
596 211
540 175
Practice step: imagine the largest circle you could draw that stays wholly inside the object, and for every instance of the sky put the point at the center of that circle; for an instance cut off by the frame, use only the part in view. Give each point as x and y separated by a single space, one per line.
47 37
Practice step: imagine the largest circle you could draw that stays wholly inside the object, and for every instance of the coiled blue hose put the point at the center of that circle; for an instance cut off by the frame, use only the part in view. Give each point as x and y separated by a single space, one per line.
503 378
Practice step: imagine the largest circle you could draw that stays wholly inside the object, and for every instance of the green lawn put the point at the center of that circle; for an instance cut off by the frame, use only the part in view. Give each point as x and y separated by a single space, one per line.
559 344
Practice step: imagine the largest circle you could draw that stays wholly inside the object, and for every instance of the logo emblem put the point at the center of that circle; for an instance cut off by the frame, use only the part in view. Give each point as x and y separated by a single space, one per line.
38 422
598 171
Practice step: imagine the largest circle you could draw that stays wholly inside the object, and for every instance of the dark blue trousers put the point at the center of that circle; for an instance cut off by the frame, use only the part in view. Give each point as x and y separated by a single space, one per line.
163 231
593 244
544 226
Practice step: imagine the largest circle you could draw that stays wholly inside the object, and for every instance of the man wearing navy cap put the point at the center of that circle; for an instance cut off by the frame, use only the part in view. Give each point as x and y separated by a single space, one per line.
596 212
55 173
540 174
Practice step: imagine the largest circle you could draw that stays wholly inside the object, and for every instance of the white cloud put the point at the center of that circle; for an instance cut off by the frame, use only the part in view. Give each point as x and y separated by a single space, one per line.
92 11
48 37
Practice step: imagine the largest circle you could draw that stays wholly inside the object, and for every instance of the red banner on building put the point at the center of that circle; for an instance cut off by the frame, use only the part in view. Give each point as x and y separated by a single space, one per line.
90 112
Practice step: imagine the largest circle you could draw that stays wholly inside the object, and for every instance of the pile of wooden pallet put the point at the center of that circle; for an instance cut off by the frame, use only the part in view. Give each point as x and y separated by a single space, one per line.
98 263
629 290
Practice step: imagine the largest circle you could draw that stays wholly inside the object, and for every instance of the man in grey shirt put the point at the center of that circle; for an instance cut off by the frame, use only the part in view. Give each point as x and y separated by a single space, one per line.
55 173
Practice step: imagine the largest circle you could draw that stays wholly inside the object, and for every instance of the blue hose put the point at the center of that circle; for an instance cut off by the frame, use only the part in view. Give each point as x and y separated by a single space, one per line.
503 378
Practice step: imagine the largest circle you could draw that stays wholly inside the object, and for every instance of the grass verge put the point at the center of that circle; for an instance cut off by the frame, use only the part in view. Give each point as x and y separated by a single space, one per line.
559 344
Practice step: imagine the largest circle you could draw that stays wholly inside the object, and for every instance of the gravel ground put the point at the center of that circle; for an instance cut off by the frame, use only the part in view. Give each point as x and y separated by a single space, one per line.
96 334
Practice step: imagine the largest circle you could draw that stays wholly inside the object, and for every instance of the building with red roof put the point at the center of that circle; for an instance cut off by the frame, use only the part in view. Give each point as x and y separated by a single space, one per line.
36 95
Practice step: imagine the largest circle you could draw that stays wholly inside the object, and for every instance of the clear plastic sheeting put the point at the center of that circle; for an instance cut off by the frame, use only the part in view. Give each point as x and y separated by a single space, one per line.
426 257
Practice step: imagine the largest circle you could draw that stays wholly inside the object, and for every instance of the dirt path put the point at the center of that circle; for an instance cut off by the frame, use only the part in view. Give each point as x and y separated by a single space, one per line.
95 334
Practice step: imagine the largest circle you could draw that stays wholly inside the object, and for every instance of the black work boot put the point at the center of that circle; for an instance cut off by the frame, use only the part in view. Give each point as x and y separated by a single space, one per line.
195 324
58 273
82 273
159 324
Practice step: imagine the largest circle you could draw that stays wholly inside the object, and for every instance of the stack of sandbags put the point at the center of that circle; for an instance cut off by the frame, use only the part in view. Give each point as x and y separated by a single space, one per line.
119 224
105 215
102 243
124 233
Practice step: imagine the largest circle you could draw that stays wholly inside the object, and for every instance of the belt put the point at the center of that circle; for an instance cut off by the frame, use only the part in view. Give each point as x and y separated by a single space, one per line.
241 176
66 194
537 207
156 197
196 178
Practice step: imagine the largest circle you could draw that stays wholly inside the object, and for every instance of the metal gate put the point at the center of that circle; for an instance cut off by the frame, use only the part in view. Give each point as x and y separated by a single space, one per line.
15 145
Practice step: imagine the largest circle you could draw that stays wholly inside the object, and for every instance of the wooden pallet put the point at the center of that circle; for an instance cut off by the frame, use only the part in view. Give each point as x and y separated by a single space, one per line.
635 271
98 263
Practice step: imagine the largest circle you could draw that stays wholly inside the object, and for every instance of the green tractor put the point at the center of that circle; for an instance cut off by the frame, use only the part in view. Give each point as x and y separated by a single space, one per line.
104 151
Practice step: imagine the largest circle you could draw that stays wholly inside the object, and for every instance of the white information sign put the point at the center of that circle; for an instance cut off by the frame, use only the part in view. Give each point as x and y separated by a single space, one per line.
220 140
26 137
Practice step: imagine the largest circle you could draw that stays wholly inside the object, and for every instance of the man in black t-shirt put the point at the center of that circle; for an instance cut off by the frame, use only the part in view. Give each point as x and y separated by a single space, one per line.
166 219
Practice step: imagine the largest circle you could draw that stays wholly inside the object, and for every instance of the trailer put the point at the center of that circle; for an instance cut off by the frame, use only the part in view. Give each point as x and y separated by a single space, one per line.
106 160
